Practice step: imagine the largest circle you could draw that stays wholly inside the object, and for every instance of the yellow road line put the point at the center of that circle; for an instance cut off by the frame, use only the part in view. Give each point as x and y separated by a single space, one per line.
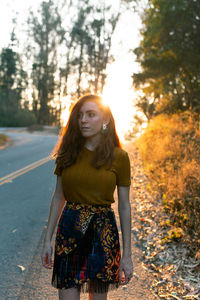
13 175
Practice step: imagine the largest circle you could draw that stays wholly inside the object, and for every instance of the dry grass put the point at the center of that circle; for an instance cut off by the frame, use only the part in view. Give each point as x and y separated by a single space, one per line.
170 150
3 139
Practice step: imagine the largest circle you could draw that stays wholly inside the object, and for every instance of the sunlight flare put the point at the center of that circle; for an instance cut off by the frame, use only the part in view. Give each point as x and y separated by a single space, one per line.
118 95
65 111
122 108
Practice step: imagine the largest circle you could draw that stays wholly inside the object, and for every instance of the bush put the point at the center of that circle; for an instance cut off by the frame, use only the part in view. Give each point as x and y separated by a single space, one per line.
170 150
3 139
35 127
22 117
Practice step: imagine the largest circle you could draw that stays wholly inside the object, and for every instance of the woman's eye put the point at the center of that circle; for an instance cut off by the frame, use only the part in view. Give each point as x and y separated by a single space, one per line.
91 115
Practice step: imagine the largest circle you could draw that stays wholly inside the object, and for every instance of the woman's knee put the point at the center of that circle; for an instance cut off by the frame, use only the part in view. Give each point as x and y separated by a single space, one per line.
69 294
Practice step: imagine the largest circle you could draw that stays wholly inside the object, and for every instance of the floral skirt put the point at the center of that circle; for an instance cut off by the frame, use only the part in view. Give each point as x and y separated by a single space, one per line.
87 249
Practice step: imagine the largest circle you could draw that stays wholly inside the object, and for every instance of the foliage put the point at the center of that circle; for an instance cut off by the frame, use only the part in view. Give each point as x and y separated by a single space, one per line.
169 58
88 47
170 149
67 53
3 139
21 117
8 68
47 33
173 262
70 59
12 82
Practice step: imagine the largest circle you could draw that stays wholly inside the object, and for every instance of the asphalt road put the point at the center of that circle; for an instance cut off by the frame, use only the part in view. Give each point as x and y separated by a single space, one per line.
24 207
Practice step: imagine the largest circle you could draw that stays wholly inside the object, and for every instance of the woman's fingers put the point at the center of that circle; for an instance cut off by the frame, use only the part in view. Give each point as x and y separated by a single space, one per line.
49 266
126 272
129 273
47 261
125 278
128 277
122 277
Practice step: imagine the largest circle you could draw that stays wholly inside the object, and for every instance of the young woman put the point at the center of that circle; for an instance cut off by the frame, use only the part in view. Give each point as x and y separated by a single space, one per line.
90 163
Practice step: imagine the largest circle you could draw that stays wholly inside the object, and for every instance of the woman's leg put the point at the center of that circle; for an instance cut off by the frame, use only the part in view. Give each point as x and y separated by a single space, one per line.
94 296
69 294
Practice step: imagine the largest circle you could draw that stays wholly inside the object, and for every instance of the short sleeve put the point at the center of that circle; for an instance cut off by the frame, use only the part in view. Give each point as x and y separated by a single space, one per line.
123 169
57 170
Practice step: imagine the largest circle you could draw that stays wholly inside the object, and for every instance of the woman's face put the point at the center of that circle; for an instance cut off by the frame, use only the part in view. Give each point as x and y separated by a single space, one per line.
90 119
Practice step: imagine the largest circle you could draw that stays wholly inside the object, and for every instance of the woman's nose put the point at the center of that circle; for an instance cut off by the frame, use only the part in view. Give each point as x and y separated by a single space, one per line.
84 118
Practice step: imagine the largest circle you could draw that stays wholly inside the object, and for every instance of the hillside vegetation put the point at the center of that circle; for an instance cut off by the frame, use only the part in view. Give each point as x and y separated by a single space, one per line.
3 139
170 150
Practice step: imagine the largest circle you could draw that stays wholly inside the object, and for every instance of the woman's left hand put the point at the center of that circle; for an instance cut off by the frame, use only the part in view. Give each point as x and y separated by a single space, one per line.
125 270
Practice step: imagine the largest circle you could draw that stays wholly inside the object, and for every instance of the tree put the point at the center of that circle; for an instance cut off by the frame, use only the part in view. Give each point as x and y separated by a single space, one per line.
99 45
80 38
9 97
47 33
88 47
169 57
13 81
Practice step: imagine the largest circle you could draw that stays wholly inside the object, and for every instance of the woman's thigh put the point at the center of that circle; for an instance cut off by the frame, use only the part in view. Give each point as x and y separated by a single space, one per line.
69 294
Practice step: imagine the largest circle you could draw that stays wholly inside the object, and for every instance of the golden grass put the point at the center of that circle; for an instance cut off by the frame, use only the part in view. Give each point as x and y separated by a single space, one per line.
3 139
170 150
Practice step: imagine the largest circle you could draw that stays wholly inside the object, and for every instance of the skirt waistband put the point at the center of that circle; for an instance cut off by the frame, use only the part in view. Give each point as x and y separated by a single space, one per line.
95 208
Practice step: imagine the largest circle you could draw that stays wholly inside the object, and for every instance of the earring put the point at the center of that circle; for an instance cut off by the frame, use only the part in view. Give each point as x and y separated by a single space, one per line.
104 129
104 126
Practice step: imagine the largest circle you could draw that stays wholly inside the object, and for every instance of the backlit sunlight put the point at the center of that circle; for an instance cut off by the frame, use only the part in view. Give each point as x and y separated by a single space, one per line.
119 96
120 103
65 111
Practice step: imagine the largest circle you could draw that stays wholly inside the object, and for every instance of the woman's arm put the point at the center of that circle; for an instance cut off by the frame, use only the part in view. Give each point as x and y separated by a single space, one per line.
56 207
124 209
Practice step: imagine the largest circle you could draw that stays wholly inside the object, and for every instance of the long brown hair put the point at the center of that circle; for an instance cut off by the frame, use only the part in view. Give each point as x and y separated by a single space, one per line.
72 142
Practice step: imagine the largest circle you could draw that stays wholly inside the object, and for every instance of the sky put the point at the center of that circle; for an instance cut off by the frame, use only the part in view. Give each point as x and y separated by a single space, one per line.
19 8
10 9
117 92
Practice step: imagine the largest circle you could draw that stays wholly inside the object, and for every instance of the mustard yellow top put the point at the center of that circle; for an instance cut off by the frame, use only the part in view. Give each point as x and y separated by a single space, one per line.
82 183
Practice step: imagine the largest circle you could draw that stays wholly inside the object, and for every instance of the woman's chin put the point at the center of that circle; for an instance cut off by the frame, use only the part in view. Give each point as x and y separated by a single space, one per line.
86 134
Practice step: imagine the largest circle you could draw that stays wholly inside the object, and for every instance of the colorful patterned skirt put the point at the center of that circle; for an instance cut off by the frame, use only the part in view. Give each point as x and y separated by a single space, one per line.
87 249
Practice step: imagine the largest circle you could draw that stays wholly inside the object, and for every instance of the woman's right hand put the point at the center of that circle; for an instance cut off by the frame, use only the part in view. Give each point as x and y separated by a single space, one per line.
46 256
57 203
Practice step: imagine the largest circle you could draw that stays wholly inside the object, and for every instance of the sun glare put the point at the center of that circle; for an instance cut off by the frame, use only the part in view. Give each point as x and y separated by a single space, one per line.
65 111
118 95
122 108
121 105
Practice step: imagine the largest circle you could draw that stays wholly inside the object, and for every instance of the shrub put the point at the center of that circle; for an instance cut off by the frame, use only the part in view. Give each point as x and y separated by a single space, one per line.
21 117
3 139
170 150
35 127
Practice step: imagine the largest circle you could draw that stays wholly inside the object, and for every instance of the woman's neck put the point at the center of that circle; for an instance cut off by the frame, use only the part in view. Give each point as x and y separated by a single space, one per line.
92 143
